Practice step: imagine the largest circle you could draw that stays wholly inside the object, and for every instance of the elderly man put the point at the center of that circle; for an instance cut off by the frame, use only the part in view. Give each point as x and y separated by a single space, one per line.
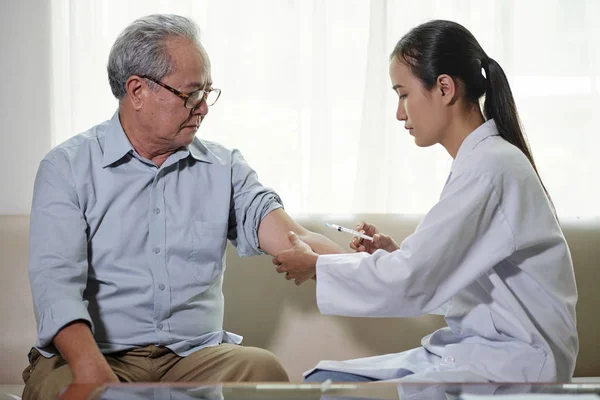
129 225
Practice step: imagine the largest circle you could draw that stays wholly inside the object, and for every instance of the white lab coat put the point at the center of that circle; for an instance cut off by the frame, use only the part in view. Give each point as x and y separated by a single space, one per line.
492 255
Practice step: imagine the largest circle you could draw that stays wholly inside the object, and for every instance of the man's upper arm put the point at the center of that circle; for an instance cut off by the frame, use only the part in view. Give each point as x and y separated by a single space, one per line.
57 254
273 235
273 232
251 202
261 224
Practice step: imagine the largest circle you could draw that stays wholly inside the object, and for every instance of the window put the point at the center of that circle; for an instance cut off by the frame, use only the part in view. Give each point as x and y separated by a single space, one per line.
321 130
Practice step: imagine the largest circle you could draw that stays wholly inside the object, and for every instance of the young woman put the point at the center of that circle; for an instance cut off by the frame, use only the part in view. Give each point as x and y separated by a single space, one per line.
490 253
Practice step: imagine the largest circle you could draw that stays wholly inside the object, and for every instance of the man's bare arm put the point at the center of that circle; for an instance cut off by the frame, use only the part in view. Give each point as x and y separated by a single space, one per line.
77 346
273 235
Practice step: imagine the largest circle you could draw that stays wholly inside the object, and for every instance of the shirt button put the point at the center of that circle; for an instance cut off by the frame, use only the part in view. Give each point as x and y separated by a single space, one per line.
450 360
161 286
160 326
157 211
157 250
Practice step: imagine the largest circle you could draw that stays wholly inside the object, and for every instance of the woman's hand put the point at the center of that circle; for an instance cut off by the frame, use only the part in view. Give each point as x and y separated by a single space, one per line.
380 240
298 263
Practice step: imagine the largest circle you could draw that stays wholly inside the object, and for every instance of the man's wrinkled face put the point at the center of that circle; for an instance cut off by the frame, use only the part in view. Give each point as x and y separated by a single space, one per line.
171 121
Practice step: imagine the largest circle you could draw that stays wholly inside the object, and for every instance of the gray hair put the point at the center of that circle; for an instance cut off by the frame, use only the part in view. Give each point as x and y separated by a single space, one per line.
141 49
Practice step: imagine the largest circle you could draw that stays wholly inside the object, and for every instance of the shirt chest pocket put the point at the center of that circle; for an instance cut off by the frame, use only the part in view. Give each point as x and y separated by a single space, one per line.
208 248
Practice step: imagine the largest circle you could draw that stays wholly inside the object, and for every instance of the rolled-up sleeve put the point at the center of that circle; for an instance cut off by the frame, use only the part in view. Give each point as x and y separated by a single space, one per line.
58 263
251 203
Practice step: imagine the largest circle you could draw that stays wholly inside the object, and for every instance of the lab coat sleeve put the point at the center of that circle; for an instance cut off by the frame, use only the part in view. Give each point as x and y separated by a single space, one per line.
464 235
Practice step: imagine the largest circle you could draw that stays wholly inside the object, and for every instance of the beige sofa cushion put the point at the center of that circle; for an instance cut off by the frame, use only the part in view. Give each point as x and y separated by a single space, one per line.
273 313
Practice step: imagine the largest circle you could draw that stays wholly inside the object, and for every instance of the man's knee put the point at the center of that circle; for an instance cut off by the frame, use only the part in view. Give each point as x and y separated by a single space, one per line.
253 364
48 386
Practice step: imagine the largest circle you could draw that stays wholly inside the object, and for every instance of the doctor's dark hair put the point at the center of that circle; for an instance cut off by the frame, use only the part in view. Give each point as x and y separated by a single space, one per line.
445 47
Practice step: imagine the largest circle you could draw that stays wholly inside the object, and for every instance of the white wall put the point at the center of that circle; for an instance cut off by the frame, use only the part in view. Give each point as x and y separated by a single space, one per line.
24 99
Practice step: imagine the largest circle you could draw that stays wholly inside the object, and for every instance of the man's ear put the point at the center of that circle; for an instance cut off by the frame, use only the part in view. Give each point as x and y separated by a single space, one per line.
136 89
446 88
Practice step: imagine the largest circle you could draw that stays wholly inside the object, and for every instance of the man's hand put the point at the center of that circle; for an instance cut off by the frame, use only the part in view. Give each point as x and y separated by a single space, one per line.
299 262
81 392
89 367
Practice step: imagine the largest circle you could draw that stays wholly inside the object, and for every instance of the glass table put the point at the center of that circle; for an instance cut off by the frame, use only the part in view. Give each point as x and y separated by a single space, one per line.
328 391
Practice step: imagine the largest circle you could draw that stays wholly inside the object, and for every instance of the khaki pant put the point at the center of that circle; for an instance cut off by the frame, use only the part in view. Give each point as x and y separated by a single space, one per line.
46 377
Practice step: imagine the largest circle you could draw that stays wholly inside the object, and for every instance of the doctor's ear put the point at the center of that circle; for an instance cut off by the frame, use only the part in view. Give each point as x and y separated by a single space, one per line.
446 87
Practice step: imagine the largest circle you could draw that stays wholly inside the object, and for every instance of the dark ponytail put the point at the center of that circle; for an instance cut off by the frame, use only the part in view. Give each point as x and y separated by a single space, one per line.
445 47
500 105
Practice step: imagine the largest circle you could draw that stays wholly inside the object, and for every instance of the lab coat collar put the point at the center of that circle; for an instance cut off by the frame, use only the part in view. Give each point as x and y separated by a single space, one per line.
482 132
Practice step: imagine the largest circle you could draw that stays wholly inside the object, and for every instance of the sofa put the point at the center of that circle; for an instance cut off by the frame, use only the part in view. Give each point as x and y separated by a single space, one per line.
273 313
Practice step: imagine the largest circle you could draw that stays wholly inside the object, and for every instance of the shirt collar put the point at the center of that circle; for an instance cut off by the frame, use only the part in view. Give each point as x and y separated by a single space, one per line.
116 144
199 151
482 132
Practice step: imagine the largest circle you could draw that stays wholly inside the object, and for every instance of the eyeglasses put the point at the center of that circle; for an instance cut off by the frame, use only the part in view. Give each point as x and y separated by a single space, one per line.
192 99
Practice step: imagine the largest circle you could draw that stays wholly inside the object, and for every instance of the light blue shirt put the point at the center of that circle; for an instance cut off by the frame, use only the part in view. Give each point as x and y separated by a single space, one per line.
137 250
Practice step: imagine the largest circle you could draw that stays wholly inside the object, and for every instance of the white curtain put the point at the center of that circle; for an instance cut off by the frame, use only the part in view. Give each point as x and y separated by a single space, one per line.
307 99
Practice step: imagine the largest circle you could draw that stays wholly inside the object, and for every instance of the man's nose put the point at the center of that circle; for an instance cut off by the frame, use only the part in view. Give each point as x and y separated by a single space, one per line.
201 109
